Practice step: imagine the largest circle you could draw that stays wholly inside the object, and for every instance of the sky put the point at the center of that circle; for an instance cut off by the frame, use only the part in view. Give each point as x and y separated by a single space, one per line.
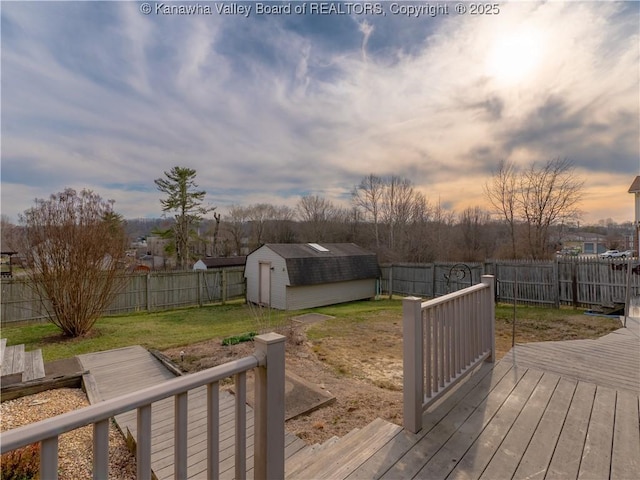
269 107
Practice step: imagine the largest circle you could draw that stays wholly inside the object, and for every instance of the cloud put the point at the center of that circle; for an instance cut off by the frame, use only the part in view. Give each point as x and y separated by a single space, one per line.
268 108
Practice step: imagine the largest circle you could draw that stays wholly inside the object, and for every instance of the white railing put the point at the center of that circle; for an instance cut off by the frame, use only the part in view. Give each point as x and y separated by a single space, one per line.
268 360
444 339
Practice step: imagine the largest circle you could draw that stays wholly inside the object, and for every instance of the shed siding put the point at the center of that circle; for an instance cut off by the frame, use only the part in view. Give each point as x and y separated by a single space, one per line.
310 296
279 276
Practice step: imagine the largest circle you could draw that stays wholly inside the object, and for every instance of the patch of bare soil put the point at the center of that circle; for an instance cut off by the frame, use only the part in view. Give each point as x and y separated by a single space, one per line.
361 364
363 392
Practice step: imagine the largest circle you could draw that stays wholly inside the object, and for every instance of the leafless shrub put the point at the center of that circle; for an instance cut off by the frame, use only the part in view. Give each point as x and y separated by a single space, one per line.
267 319
74 241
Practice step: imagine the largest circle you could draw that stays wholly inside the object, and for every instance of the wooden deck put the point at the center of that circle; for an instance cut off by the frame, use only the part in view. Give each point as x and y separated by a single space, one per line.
125 370
551 410
555 410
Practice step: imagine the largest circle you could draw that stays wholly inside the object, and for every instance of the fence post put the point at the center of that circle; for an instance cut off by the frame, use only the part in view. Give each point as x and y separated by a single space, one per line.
489 280
148 292
223 285
269 408
413 363
556 285
390 283
199 282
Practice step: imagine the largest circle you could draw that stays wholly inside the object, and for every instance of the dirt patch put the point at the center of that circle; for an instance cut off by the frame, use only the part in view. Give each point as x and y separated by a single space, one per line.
358 401
359 361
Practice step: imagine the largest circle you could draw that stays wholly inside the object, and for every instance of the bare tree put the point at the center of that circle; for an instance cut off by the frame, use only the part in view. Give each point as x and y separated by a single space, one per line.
397 206
536 198
282 230
368 196
235 224
549 194
316 213
74 242
259 216
11 235
474 242
502 193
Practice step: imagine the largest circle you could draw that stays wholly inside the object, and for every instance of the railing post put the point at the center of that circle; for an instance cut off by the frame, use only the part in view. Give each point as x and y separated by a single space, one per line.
269 408
489 281
49 458
413 363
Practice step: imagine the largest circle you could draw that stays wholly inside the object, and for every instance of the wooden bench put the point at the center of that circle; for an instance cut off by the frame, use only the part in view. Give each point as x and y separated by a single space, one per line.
15 360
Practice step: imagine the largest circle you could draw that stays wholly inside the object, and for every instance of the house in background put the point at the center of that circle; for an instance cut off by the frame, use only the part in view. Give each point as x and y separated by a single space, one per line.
207 263
586 243
293 276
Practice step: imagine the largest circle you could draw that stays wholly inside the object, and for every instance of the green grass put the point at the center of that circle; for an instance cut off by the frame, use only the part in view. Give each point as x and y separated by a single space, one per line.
152 330
169 329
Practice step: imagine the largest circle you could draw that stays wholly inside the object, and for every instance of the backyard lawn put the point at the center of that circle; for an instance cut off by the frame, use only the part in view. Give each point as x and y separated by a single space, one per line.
370 331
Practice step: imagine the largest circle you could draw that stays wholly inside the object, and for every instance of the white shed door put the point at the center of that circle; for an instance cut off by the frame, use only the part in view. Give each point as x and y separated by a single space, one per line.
264 293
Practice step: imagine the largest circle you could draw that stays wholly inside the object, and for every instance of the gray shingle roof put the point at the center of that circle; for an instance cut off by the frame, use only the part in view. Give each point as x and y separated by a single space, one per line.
218 262
343 262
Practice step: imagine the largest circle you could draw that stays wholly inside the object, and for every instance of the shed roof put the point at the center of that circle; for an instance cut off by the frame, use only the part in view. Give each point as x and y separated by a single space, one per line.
218 262
342 262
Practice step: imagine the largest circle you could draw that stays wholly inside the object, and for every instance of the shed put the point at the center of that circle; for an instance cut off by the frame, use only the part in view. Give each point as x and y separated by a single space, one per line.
293 276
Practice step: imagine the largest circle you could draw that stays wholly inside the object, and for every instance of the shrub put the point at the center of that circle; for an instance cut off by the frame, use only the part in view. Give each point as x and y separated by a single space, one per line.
21 464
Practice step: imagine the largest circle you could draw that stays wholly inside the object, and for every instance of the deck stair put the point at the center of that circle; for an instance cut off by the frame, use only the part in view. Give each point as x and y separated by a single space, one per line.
337 458
14 360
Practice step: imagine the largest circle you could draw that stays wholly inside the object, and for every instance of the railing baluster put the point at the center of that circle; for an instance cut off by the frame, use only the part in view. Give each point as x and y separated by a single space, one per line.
428 353
436 352
49 458
213 431
458 335
241 426
441 347
448 320
181 409
143 443
100 450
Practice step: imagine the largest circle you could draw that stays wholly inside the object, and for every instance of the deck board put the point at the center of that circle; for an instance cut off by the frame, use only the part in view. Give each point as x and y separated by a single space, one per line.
548 410
33 365
565 462
596 456
567 410
125 370
3 345
13 361
606 362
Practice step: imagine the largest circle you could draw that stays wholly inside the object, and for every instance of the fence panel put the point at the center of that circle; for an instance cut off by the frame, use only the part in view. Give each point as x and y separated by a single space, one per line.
528 283
140 292
450 277
585 282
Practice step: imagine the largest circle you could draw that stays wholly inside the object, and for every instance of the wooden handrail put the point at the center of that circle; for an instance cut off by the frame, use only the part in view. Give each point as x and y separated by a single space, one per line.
269 354
444 339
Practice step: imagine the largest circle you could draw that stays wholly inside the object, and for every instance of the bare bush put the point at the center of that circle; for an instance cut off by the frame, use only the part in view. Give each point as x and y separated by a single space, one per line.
74 241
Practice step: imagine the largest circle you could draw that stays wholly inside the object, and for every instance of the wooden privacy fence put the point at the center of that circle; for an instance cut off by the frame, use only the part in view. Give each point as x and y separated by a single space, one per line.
141 292
584 282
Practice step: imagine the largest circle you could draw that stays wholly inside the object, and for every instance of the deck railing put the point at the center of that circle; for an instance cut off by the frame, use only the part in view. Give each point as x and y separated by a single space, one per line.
268 360
444 339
